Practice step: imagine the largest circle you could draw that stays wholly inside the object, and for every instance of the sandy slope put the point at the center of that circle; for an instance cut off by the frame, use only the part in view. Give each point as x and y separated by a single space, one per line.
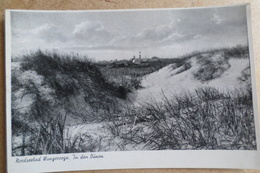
167 82
98 137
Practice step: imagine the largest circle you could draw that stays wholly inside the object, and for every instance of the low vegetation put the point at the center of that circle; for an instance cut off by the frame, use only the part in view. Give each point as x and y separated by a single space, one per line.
212 66
130 76
52 92
207 119
47 89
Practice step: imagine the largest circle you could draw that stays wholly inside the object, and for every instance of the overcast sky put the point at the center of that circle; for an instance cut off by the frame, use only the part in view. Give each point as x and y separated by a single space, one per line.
104 35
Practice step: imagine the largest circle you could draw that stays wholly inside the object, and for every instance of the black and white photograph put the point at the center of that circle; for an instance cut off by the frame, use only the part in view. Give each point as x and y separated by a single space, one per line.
130 81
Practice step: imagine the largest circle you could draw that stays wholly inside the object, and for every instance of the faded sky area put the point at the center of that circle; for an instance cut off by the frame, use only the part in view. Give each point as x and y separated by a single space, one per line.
105 35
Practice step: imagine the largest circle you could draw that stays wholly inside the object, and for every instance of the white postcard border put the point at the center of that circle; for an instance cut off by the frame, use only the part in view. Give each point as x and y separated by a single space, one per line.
129 159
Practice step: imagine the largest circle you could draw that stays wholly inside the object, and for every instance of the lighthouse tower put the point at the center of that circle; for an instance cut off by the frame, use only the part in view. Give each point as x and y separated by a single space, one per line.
140 56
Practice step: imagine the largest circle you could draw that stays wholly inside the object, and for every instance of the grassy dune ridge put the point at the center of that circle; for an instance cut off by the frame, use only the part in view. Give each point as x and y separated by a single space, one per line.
50 91
206 119
53 94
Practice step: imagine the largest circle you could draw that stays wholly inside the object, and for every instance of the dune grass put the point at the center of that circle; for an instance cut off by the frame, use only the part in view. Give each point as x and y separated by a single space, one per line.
207 119
49 91
46 89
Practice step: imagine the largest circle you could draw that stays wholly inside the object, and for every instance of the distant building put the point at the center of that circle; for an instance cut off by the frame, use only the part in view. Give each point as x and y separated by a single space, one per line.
154 59
143 61
121 63
137 61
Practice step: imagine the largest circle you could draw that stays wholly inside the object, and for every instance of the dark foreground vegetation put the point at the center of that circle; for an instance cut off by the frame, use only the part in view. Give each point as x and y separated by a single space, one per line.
53 89
207 119
51 92
130 75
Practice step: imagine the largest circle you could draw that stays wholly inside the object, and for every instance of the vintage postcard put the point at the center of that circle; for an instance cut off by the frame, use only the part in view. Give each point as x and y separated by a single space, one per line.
117 89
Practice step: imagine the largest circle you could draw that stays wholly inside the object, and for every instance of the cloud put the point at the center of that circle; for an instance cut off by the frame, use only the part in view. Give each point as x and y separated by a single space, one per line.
156 36
158 33
44 33
49 32
92 32
217 19
87 28
45 36
43 29
207 25
151 31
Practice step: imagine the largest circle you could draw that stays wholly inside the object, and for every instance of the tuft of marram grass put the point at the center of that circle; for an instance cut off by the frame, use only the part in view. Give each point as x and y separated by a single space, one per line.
207 119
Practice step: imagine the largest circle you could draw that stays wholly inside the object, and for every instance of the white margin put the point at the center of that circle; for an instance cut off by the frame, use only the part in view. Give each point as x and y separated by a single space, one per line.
133 159
253 74
8 87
